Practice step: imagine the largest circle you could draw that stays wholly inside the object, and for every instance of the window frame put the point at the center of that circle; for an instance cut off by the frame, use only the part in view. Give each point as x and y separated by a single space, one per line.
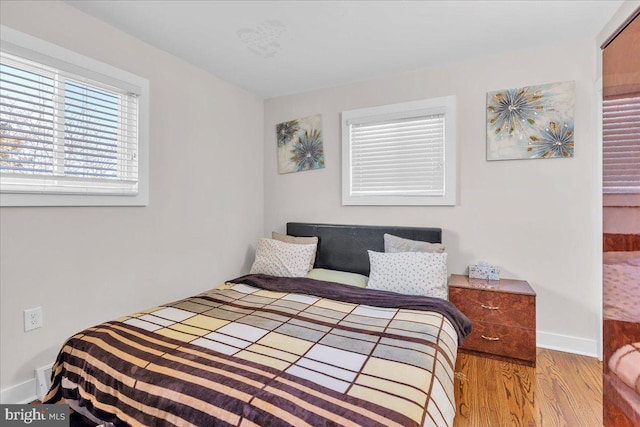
620 133
396 111
48 54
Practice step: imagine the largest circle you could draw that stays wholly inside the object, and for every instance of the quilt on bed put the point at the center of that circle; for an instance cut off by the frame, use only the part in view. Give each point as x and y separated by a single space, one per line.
263 351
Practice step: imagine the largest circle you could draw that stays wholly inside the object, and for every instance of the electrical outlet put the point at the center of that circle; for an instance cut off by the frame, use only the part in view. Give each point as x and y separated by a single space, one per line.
43 380
32 319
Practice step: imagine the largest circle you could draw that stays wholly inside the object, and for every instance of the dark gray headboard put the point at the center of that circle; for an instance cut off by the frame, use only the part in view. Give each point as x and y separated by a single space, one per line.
344 247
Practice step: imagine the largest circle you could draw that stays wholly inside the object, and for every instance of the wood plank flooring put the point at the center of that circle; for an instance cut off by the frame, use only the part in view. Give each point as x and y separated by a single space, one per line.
564 390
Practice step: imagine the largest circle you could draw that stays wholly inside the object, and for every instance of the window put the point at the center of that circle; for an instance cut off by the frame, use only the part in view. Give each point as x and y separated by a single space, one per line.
72 132
400 154
621 145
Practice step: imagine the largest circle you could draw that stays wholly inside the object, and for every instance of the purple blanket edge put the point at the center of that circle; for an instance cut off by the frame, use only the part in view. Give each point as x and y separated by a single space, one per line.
356 295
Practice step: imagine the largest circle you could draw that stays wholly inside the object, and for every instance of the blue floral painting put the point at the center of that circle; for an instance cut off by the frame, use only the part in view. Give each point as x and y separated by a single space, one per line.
532 122
300 144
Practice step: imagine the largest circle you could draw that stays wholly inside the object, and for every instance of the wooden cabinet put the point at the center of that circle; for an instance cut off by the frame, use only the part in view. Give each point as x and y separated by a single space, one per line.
503 313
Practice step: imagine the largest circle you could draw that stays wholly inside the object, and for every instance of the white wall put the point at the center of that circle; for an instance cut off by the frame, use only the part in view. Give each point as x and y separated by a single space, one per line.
621 220
534 218
88 265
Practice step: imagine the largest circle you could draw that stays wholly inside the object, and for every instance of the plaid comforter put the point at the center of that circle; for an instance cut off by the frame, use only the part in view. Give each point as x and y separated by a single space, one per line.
263 352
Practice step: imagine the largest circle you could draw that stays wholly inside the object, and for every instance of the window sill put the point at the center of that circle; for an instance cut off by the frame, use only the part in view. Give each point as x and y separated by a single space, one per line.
42 200
621 200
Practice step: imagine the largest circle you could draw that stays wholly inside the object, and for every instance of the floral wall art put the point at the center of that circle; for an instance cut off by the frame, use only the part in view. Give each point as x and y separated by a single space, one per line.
532 122
300 144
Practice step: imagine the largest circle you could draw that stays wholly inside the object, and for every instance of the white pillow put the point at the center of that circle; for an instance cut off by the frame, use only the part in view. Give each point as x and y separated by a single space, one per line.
298 240
398 244
411 273
282 259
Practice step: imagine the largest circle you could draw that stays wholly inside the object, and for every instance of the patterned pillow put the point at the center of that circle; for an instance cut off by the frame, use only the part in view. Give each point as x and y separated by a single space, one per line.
298 240
282 259
395 244
412 273
625 363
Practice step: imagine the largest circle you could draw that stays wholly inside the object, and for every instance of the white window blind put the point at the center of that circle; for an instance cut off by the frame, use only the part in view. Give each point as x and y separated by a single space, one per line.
400 154
63 133
621 145
398 157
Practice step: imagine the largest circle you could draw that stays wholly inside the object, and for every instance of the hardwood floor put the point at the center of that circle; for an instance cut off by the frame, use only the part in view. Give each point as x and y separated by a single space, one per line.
562 390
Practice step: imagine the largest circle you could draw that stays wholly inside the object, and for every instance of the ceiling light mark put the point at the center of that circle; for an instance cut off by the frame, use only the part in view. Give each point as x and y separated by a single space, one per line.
263 39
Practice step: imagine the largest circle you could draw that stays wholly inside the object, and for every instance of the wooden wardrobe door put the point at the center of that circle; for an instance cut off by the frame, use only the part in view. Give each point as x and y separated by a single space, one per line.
621 260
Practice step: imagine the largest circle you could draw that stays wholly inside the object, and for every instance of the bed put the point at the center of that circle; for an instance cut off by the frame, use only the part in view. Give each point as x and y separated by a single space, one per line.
263 350
621 328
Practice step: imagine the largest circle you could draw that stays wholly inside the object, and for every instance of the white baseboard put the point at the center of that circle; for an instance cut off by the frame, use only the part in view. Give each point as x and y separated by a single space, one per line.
568 344
21 393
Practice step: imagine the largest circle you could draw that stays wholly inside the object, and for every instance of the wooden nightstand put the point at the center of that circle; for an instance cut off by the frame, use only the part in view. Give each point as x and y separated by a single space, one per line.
503 313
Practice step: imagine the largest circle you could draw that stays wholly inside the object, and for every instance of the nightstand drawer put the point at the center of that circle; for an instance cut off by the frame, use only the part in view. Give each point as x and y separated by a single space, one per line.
508 341
495 307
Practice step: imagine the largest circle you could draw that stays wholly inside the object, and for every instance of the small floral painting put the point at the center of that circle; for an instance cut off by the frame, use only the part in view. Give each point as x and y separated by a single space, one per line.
300 144
533 122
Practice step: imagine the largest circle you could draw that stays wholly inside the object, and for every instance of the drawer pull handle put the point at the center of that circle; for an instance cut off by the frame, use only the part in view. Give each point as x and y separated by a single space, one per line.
489 307
490 338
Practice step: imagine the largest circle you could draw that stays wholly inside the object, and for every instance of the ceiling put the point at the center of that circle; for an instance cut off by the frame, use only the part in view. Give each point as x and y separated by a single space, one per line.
275 48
